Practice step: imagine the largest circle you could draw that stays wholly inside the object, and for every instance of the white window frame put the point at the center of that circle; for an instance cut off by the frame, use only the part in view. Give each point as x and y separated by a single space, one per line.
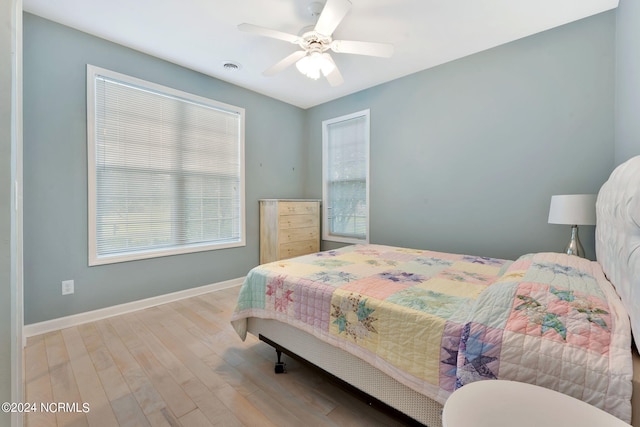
93 73
326 231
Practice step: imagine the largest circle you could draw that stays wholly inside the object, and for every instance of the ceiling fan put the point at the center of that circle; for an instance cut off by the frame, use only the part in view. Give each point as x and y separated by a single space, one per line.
313 60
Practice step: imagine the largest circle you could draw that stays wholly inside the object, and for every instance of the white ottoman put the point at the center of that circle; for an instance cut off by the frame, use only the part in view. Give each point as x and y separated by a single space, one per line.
497 403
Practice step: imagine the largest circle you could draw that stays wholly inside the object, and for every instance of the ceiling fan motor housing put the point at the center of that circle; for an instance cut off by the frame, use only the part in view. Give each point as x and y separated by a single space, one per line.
313 41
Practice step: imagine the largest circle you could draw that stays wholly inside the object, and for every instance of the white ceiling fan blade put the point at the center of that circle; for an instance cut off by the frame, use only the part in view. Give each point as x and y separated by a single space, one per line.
384 50
332 14
286 62
268 32
333 77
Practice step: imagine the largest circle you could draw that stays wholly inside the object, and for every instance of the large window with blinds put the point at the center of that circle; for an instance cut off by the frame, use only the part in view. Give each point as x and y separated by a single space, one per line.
345 176
165 169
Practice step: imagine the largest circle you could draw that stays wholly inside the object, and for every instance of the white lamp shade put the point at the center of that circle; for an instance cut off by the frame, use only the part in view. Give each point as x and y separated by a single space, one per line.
311 65
573 209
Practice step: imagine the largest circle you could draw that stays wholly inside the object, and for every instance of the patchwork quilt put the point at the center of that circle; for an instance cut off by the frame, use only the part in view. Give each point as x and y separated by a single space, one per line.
437 321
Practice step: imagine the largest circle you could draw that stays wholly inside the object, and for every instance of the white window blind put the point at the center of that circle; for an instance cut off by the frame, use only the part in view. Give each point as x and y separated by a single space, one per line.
346 178
166 170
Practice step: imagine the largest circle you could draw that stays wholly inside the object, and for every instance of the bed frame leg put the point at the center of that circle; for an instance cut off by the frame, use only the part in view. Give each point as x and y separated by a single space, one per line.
280 365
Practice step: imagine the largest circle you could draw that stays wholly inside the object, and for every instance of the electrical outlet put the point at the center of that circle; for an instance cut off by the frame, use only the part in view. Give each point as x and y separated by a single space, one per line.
67 287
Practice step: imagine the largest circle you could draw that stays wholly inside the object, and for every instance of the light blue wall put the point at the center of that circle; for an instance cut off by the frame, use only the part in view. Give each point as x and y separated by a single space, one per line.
465 156
627 80
6 224
55 168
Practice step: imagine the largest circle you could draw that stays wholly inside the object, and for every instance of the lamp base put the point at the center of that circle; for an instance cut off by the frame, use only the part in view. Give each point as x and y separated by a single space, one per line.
574 247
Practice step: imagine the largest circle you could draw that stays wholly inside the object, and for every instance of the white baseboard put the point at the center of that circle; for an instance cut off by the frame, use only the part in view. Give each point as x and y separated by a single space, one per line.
103 313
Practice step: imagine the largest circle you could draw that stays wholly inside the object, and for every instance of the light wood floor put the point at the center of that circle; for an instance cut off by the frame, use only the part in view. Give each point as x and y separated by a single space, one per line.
179 364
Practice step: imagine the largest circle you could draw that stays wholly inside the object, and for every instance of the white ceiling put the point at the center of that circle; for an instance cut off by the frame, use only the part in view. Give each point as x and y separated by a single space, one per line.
202 34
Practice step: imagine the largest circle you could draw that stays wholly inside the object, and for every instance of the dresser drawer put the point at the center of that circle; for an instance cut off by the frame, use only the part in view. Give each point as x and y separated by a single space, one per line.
293 249
287 235
298 221
298 208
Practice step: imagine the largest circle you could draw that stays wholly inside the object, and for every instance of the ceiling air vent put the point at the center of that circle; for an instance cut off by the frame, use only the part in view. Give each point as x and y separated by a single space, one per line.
231 66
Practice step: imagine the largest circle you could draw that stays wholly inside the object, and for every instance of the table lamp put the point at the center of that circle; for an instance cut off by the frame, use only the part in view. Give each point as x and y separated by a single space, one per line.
573 210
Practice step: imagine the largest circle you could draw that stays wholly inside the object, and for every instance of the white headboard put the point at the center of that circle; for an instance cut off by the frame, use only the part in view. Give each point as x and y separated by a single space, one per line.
618 236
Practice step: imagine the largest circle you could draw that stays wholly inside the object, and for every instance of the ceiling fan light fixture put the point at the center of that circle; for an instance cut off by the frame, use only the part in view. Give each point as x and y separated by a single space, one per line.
313 63
307 67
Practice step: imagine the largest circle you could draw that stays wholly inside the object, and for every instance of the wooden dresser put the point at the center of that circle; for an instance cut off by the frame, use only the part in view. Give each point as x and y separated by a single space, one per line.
288 228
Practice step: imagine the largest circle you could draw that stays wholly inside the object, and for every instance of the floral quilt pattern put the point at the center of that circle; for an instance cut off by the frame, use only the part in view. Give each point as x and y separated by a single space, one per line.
353 317
551 320
437 321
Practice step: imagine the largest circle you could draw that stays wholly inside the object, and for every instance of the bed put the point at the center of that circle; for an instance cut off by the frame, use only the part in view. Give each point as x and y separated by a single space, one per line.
408 327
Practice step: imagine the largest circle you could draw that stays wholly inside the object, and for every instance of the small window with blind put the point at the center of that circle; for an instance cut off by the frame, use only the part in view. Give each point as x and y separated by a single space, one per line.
345 176
165 170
